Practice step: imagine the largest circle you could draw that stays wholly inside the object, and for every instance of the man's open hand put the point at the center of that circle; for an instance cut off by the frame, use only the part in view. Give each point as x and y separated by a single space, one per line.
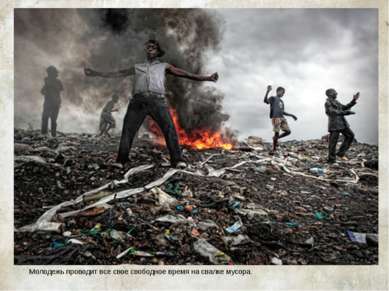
214 77
356 97
269 88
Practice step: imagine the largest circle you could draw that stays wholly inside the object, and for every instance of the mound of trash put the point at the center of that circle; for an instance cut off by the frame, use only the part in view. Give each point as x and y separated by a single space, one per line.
74 205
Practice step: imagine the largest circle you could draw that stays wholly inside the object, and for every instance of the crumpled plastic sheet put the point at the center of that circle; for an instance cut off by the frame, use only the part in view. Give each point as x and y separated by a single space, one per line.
135 170
163 197
345 180
105 200
208 159
217 173
214 255
172 219
282 164
43 223
115 183
28 159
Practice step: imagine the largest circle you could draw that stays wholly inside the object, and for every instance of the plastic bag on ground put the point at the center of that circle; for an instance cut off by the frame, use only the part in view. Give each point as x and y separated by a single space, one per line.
215 256
163 197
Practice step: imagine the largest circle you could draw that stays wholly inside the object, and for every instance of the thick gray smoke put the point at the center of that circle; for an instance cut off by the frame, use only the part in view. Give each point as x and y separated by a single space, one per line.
109 40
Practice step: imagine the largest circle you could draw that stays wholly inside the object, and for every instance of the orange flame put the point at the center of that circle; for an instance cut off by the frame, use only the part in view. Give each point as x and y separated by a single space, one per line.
198 138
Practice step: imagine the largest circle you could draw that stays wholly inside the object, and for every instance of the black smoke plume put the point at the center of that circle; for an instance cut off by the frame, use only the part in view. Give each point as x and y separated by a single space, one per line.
108 40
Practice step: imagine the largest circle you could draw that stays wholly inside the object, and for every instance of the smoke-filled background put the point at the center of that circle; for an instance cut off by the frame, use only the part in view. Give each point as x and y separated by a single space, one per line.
110 40
304 50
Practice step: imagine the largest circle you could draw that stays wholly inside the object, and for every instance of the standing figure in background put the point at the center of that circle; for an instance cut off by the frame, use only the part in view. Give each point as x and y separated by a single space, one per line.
337 124
149 98
277 114
107 122
52 93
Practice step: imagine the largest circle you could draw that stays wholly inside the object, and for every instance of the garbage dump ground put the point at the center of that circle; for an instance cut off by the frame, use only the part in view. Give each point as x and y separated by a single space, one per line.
74 205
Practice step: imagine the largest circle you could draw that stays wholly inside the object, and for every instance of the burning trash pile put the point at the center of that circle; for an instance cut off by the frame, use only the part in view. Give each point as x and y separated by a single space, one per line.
199 138
237 205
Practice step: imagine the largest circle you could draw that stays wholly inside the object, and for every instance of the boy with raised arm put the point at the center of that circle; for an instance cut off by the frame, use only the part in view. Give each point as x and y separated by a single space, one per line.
277 114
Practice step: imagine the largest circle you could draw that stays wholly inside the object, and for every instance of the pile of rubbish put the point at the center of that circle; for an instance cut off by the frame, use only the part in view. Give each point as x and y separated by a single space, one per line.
74 205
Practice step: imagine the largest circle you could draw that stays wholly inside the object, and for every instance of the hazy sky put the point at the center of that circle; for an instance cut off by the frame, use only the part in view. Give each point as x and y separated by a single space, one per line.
306 51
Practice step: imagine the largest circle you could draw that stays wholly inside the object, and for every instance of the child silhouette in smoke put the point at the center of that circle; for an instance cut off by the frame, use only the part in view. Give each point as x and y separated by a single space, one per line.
107 122
149 99
51 91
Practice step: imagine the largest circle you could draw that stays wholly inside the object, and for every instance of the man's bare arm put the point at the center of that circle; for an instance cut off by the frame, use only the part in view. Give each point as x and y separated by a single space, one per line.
121 73
291 115
266 100
184 74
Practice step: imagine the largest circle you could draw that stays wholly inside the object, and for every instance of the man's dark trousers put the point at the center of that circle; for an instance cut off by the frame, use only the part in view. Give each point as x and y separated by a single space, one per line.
156 107
334 135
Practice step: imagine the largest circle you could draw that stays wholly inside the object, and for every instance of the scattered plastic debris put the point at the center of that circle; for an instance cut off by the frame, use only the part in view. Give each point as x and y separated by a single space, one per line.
363 238
258 209
235 227
320 215
215 256
276 261
317 171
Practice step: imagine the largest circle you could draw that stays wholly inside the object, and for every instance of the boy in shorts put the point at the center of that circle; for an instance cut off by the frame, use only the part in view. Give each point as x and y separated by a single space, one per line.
277 114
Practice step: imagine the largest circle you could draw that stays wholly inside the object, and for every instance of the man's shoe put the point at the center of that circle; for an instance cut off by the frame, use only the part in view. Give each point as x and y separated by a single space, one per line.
122 161
181 165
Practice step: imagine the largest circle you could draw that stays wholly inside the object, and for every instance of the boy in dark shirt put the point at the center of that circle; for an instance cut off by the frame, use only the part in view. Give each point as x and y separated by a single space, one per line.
277 114
107 122
51 91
